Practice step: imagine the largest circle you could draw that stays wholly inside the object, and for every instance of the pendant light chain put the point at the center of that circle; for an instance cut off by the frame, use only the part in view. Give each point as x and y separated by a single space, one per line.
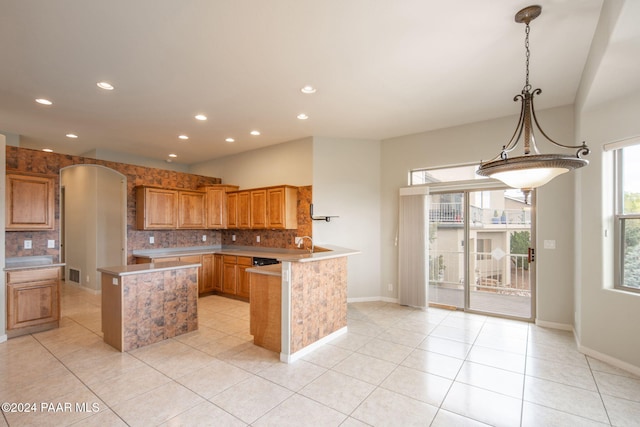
527 86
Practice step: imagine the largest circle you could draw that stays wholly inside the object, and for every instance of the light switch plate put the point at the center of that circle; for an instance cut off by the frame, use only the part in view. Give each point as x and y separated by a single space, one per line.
27 244
51 244
152 240
549 244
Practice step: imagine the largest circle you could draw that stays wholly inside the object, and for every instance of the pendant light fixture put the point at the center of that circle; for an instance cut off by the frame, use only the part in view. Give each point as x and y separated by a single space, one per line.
532 169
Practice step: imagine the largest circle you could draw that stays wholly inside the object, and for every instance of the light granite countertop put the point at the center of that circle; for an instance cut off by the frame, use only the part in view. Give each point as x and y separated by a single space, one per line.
322 251
127 270
30 262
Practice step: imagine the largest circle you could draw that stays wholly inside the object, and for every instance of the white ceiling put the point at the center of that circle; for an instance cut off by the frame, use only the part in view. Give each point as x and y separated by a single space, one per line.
382 68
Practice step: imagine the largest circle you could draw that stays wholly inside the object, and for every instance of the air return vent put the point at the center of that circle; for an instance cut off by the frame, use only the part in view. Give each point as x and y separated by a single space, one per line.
74 275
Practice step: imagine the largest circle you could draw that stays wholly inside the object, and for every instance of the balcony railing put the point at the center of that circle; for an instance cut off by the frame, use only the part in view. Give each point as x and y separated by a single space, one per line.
453 213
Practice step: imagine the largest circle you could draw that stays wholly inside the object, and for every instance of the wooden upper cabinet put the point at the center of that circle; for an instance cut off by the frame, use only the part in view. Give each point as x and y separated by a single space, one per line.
244 210
156 208
282 203
216 205
191 209
30 202
232 210
259 208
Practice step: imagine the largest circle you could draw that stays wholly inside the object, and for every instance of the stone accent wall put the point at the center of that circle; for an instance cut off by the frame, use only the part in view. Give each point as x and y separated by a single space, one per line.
318 300
158 305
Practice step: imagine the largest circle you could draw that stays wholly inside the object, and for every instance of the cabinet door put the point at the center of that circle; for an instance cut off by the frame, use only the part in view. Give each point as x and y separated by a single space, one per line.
232 210
31 304
243 289
259 208
156 208
29 202
216 205
217 272
229 275
282 207
206 280
191 213
244 209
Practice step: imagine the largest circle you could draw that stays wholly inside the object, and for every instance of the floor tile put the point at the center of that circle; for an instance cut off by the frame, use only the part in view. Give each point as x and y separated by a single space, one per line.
565 373
385 350
338 391
513 362
365 368
540 416
600 366
433 363
298 411
622 412
157 405
449 419
386 408
418 385
204 414
294 375
574 400
327 356
456 334
618 386
251 399
483 405
445 346
213 378
493 379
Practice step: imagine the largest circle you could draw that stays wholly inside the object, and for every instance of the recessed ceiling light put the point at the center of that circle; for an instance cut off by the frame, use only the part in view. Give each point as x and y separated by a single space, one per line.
104 85
201 117
72 135
173 155
48 150
308 89
183 137
255 132
43 101
230 140
303 116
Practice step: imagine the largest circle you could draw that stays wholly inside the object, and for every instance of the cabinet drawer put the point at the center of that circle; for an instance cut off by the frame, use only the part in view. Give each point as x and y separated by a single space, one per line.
229 259
33 275
245 260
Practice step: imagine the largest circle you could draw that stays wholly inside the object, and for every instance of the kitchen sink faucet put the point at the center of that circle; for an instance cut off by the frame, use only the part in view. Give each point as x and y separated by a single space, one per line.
301 241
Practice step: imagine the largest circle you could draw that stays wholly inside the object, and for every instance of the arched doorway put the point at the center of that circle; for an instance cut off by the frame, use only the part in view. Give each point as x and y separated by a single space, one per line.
93 222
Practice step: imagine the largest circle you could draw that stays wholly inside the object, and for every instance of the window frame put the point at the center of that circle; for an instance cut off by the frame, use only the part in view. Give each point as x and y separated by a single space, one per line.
620 218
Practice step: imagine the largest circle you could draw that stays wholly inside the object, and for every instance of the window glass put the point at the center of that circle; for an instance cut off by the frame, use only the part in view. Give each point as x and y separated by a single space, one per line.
628 217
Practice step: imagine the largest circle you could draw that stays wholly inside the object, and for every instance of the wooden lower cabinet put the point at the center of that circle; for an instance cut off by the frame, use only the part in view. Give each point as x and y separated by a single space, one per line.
217 272
235 279
206 281
33 300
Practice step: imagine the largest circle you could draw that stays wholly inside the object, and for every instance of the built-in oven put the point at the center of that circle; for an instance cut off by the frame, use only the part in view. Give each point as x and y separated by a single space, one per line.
264 261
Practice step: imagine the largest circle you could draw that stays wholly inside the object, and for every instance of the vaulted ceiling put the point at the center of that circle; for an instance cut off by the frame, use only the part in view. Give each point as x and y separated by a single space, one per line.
381 68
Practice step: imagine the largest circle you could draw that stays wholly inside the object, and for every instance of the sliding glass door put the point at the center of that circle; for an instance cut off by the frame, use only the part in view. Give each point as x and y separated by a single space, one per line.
478 252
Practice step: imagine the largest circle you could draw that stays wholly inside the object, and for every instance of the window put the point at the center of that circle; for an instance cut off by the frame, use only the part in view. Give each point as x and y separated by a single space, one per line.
444 174
627 217
483 247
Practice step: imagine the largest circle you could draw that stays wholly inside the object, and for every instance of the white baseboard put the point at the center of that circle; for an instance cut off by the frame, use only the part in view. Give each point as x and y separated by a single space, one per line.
290 358
635 370
370 299
3 338
554 325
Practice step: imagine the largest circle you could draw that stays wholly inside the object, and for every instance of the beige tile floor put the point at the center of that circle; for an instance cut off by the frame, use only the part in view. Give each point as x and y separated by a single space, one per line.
396 366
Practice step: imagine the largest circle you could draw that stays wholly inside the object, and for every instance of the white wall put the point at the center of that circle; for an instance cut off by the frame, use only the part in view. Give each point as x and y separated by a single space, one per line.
481 141
606 319
288 163
346 182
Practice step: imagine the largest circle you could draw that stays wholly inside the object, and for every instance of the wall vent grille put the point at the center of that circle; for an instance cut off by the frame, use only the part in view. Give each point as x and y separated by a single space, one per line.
74 275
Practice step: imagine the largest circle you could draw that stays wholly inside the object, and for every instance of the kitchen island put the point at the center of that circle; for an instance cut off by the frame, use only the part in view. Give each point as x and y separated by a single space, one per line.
146 303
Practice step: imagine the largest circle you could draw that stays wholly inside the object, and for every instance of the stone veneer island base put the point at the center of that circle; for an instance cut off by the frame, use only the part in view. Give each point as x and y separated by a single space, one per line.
146 303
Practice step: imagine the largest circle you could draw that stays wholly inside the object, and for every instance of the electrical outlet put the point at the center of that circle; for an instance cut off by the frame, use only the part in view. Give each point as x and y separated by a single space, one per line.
233 237
51 244
27 244
88 278
258 239
390 286
114 281
204 237
152 240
